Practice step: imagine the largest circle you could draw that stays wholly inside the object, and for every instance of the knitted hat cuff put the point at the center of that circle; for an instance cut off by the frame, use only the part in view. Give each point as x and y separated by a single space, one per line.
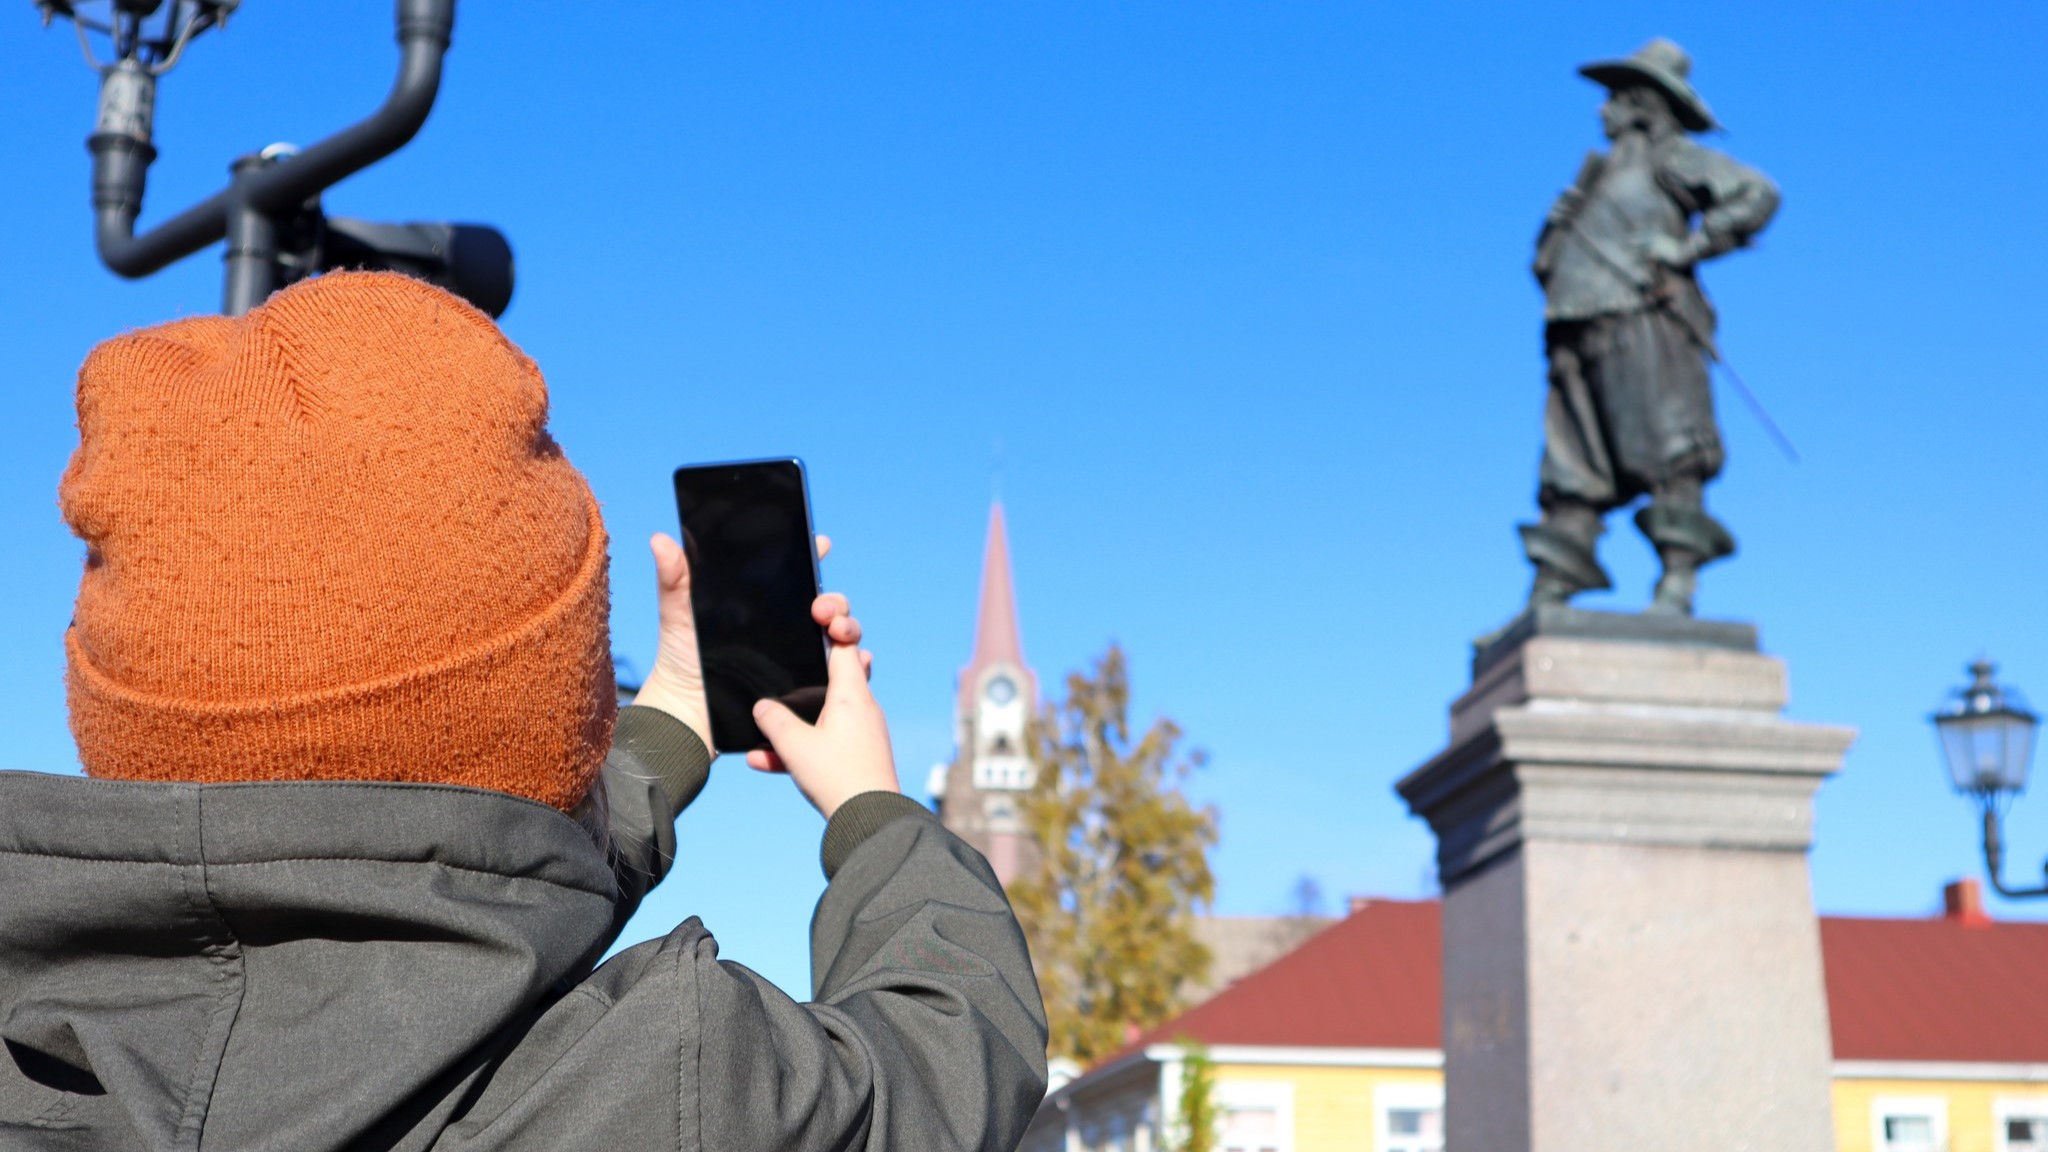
539 694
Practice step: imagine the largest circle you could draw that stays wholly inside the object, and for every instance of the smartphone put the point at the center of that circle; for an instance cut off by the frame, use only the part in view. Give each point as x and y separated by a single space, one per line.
753 574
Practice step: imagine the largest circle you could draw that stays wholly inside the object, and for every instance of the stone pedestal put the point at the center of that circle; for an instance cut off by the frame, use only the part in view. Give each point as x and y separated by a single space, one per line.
1631 957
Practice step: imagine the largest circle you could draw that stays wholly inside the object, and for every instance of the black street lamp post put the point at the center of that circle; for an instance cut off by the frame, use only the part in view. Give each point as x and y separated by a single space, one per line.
1987 737
270 213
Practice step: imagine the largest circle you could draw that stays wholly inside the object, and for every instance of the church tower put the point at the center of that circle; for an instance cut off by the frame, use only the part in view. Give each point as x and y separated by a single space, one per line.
978 794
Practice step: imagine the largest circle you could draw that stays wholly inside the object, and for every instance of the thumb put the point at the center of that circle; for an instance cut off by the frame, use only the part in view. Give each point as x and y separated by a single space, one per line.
785 730
671 565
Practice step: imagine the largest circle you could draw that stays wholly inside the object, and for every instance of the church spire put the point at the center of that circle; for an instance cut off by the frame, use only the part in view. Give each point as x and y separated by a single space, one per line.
995 634
978 792
995 630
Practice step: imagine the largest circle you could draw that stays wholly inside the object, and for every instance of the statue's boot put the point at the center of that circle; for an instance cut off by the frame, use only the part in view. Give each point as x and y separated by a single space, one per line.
1678 584
1686 538
1561 548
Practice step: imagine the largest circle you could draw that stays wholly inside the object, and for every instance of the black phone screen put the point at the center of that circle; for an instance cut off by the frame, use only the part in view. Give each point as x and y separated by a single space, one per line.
753 575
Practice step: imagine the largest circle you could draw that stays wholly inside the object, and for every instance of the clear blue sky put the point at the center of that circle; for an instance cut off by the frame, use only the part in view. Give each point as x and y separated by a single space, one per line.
1235 300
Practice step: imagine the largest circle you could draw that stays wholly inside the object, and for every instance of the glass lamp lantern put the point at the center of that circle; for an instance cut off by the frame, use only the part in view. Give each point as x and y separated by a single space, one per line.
1987 736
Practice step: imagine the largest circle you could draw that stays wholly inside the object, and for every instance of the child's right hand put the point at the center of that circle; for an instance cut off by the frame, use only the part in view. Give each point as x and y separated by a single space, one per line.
847 752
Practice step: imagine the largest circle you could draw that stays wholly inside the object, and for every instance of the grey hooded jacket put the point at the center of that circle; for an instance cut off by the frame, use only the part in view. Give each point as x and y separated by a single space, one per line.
300 967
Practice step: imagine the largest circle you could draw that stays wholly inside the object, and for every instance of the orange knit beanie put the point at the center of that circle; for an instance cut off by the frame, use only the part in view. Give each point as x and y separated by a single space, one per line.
332 540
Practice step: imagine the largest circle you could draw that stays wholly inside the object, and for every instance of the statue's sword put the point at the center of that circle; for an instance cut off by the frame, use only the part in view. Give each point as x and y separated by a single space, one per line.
1662 300
1756 406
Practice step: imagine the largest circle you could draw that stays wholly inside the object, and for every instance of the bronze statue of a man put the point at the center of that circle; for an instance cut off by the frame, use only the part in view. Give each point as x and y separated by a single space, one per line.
1629 333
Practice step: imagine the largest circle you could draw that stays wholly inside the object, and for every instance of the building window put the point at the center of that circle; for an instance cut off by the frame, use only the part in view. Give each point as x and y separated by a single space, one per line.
1909 1134
2022 1125
1254 1117
1251 1130
1909 1124
1410 1117
997 771
1113 1132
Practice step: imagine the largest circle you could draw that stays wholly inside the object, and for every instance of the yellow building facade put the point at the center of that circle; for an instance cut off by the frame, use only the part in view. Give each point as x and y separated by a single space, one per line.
1989 1108
1267 1100
1939 1030
1277 1099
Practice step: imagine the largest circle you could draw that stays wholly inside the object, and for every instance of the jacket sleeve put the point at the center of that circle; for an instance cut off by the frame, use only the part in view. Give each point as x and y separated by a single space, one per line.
926 1031
657 766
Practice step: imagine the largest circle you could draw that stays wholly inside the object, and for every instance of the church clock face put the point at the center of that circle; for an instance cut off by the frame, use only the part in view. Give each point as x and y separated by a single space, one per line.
1001 690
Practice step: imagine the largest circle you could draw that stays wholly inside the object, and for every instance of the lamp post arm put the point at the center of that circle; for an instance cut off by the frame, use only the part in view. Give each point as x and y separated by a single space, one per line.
122 153
1994 858
133 256
423 31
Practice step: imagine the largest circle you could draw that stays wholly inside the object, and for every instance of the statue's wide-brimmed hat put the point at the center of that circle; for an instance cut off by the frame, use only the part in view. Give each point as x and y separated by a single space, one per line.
1661 65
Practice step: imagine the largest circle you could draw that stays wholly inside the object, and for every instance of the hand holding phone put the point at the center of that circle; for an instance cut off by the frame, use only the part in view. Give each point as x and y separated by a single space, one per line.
676 685
847 751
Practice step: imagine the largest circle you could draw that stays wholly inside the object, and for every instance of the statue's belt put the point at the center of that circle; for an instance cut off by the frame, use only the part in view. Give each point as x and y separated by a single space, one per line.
1655 296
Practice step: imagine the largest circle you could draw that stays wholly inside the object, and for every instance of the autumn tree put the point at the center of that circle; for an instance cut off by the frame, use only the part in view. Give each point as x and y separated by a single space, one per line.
1123 867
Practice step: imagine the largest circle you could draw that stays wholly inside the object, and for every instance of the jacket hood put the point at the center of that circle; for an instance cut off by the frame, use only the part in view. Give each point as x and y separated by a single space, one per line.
305 956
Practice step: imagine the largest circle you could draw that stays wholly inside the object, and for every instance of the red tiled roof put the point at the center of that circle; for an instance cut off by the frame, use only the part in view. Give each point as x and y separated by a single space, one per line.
1372 980
1933 990
1937 990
